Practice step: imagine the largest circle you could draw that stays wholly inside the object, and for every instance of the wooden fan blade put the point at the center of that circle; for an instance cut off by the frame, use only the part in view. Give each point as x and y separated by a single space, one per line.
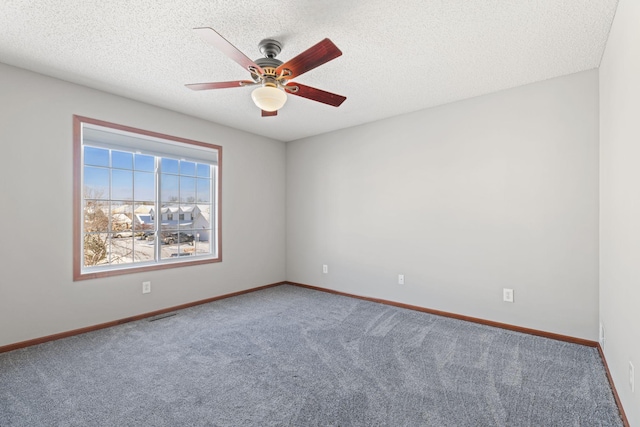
211 36
269 113
316 94
311 58
219 85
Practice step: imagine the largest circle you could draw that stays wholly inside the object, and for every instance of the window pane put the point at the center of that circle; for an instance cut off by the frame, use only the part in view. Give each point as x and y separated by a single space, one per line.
121 185
187 168
204 171
144 219
187 189
121 160
145 163
96 216
202 221
95 249
96 156
96 183
121 219
144 186
169 185
187 216
178 244
170 217
201 247
121 249
169 166
143 250
202 235
204 190
167 251
186 243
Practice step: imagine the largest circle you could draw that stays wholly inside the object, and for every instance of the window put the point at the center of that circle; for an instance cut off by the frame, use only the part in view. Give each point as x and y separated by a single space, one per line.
122 178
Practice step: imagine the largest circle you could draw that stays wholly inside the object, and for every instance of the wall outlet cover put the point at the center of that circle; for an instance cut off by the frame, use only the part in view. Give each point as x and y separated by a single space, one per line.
507 295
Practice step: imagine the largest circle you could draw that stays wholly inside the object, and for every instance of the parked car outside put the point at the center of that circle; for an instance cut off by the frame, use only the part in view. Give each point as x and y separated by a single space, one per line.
121 234
175 237
148 235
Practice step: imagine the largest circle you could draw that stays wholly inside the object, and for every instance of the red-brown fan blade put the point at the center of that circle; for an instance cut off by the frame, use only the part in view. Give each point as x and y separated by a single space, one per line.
219 85
316 94
211 36
269 113
311 58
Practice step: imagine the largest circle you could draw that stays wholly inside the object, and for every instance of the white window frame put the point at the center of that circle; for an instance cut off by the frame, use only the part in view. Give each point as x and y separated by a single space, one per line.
130 139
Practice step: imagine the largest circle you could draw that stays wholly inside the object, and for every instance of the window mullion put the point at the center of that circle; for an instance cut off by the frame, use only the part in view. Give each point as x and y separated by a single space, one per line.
158 221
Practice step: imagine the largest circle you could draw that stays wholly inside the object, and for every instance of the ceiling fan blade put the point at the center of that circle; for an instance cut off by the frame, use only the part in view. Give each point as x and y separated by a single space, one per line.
211 36
219 85
316 94
311 58
269 113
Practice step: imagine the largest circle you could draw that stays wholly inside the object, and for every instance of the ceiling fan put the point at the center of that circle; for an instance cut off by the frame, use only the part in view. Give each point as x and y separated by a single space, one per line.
272 75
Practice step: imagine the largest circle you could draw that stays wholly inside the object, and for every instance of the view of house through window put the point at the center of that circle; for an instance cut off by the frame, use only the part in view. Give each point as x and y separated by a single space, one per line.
145 200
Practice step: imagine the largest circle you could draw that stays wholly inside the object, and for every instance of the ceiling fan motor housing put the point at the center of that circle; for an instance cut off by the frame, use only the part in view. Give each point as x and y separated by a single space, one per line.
270 48
269 66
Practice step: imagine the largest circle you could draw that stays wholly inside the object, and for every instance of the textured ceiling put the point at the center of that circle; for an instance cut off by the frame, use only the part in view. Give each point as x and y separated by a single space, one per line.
397 57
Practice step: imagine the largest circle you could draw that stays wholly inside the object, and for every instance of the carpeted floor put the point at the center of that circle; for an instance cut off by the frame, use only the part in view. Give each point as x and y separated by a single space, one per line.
288 356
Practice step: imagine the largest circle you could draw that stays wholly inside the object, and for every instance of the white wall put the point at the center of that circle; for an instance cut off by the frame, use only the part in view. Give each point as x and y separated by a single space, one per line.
620 202
464 199
37 294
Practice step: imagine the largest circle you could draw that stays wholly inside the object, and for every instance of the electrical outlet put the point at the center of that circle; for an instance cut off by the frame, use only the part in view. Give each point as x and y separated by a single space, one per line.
632 377
602 335
507 295
146 287
400 279
325 268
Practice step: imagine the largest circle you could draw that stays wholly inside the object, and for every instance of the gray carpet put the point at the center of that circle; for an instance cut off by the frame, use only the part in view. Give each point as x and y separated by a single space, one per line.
288 356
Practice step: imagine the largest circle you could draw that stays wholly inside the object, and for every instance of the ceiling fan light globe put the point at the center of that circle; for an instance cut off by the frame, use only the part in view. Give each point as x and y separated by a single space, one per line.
269 98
